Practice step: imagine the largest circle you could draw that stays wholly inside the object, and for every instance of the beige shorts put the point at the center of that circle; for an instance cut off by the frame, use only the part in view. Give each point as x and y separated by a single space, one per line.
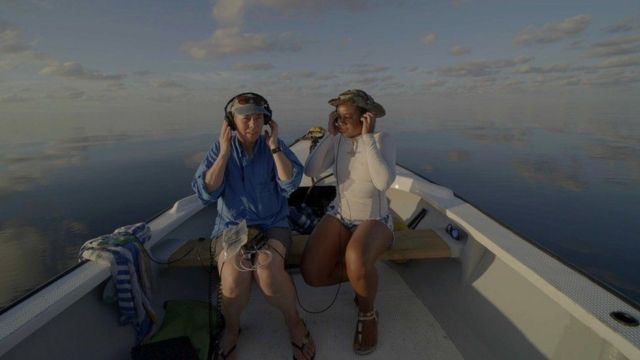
280 234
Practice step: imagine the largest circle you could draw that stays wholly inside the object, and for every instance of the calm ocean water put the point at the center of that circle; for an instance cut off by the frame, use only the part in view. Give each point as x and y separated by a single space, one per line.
575 194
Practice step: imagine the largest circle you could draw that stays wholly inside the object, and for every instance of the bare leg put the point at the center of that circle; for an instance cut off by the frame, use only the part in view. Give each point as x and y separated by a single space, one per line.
236 288
321 263
277 287
370 240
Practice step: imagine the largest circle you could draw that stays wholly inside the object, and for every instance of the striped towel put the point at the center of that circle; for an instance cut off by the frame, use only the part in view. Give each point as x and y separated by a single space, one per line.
129 273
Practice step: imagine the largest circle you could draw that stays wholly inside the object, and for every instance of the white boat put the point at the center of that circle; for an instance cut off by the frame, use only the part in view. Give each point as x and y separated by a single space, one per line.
492 295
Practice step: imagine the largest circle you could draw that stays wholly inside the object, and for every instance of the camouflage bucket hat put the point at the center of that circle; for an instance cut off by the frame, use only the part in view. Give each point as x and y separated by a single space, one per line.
359 98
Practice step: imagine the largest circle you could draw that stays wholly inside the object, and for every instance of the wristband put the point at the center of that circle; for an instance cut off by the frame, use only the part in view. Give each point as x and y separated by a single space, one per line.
276 150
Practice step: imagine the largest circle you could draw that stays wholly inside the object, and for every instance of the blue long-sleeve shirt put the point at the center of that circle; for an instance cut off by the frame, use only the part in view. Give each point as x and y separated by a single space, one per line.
250 189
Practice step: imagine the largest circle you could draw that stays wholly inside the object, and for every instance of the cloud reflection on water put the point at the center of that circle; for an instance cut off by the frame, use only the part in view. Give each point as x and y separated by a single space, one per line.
569 176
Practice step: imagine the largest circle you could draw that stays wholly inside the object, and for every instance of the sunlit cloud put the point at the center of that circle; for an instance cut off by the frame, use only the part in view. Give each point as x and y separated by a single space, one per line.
74 70
252 66
624 25
481 67
552 32
528 69
14 50
621 45
569 176
231 41
429 39
622 61
459 50
229 38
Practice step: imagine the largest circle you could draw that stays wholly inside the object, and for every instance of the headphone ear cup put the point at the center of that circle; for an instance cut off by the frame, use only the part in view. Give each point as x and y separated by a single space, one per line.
229 119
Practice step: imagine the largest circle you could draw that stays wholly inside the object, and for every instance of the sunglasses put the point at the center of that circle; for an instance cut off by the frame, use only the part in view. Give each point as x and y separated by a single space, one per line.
250 99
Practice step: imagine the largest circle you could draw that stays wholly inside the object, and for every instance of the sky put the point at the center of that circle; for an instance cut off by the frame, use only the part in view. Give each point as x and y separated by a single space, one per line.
94 67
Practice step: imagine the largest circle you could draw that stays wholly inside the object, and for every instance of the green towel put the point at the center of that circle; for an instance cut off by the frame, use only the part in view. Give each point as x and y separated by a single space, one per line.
188 318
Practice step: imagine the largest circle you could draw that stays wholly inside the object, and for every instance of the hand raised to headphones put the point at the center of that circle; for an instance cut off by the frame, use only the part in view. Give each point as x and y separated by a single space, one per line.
368 123
225 139
333 116
272 138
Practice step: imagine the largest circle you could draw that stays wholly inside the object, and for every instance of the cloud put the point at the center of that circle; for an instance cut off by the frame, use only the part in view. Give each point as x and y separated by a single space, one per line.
429 39
252 67
365 69
167 84
552 32
231 41
14 98
296 75
545 170
74 70
13 50
528 69
624 25
66 94
612 78
20 167
609 151
433 83
229 15
622 61
621 45
459 50
478 68
143 72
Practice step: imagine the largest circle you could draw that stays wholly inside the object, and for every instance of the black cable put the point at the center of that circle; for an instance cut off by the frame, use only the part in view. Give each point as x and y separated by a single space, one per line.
148 255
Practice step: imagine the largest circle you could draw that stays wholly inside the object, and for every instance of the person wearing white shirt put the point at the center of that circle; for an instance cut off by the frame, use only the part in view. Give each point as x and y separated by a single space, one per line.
357 227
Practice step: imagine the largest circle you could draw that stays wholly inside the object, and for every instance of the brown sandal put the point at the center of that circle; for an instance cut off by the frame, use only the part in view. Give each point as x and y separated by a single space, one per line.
357 340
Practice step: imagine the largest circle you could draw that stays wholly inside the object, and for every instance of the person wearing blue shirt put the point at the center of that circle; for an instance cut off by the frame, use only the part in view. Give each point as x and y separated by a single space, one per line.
250 176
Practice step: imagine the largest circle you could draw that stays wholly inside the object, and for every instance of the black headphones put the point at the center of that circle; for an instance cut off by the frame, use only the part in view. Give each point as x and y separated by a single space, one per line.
228 115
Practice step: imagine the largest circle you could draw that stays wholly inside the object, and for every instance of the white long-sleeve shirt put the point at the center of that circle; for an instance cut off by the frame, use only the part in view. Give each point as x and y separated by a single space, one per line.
364 168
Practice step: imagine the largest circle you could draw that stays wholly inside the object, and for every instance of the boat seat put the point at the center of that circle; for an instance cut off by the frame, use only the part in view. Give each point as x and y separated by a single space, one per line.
408 245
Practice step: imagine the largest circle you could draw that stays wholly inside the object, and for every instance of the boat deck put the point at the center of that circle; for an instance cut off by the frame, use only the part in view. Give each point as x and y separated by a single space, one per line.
407 328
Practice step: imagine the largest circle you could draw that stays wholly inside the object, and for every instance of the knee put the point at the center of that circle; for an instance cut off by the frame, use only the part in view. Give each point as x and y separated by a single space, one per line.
356 263
268 276
232 287
312 273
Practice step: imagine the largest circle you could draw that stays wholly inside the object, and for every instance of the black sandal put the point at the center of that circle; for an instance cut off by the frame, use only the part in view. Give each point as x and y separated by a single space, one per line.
357 340
305 342
222 355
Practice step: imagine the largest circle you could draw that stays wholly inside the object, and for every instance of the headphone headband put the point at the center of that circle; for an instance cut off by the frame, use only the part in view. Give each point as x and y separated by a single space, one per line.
229 116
